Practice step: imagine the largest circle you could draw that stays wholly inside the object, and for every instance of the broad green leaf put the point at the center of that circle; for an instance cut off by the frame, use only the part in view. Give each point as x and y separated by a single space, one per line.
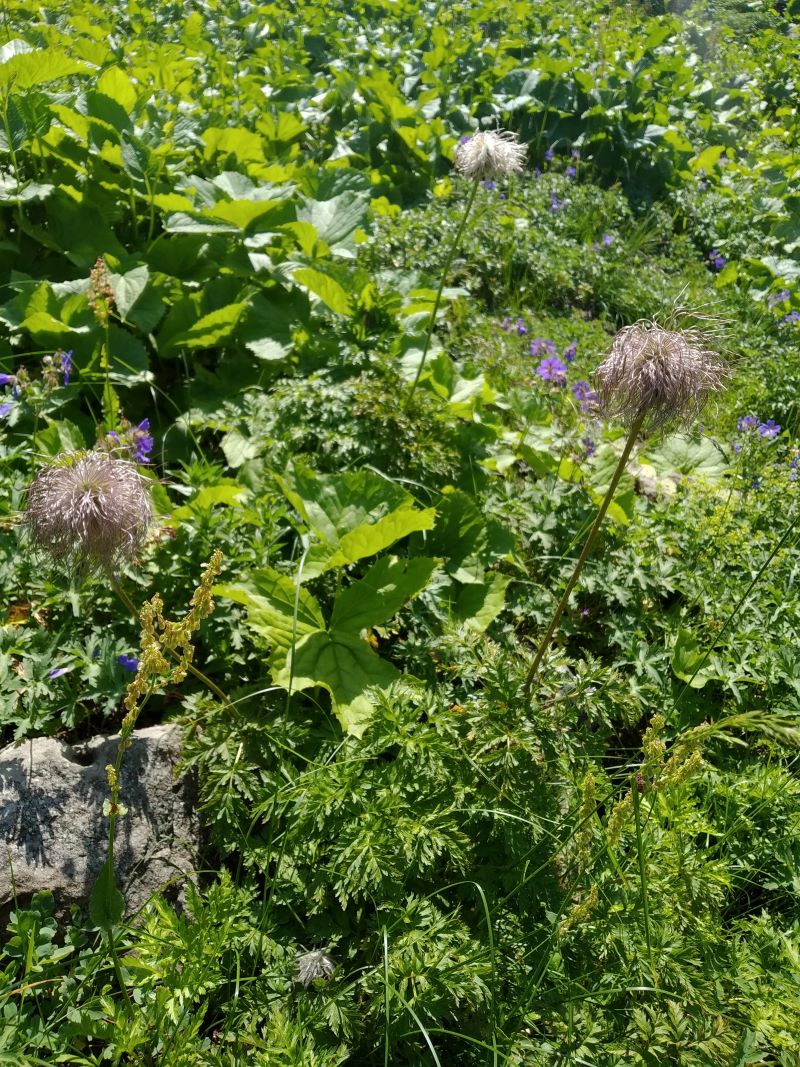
336 220
354 515
270 601
26 69
271 320
345 665
244 213
329 291
380 594
209 496
686 455
106 903
687 656
116 85
621 508
180 222
238 448
479 603
61 436
128 288
211 329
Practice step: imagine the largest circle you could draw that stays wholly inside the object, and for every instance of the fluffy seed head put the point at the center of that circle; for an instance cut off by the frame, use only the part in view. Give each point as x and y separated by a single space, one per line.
89 508
313 965
490 154
664 375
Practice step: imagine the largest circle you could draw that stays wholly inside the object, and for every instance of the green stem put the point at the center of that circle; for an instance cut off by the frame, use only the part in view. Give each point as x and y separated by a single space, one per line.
587 548
642 871
438 300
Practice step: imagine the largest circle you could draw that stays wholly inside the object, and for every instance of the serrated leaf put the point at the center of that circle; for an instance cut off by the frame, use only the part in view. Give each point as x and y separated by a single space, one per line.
128 288
344 665
354 515
229 493
38 66
336 220
380 594
479 603
270 601
329 291
211 329
686 455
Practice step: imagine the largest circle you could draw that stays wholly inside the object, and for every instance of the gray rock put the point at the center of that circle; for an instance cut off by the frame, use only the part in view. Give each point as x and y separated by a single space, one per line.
53 834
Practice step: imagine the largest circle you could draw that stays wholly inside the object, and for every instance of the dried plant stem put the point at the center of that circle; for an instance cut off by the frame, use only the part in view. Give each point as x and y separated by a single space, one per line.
587 548
439 291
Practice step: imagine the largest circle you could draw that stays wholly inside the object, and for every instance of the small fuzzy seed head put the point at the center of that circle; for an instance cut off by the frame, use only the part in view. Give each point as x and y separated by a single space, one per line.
89 509
313 965
490 154
662 375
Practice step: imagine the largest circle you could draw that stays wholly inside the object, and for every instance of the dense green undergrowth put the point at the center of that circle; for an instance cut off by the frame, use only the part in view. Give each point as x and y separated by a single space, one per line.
231 221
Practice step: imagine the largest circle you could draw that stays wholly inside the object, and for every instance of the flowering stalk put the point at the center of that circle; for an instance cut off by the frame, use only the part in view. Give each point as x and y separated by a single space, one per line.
438 300
483 157
587 548
158 636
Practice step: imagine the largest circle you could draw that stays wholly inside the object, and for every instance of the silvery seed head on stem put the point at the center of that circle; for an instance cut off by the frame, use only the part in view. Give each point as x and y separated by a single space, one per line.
89 509
660 375
490 154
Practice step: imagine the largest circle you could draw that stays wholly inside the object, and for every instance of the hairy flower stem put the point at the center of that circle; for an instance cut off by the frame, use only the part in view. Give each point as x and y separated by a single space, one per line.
438 300
587 548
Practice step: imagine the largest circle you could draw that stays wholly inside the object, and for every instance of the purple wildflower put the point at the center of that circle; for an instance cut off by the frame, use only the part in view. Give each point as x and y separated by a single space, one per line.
548 156
555 203
129 663
793 316
537 172
489 185
552 370
778 298
66 364
716 259
7 379
5 409
576 153
737 448
607 240
747 422
570 351
56 672
584 394
464 138
770 428
570 172
142 442
522 329
541 345
506 324
589 446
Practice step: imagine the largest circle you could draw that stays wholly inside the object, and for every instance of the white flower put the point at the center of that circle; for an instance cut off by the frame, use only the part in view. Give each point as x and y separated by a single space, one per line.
490 154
